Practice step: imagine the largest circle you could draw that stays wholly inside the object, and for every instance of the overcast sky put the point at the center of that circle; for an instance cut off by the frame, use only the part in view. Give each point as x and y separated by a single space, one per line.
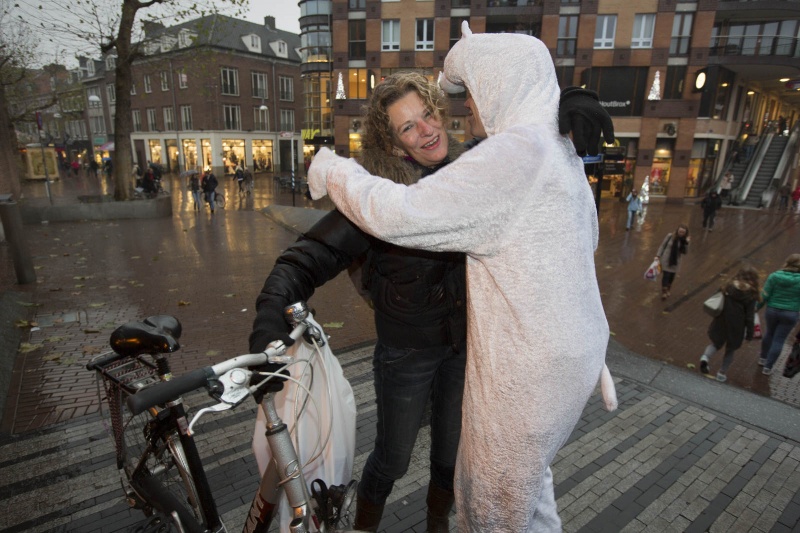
44 15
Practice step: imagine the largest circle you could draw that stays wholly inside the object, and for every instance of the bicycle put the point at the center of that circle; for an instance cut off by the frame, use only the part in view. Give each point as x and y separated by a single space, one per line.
159 463
219 199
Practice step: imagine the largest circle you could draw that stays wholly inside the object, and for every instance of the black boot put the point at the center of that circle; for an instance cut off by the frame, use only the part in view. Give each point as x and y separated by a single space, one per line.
368 515
440 502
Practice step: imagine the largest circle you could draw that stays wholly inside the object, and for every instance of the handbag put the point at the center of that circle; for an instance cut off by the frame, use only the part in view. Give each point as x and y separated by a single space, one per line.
757 333
653 270
714 304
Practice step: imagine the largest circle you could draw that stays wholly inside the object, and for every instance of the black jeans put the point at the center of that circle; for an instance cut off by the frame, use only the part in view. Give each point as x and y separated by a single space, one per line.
708 218
667 278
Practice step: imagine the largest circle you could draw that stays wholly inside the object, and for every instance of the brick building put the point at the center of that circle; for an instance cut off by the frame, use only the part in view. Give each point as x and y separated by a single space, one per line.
642 57
216 91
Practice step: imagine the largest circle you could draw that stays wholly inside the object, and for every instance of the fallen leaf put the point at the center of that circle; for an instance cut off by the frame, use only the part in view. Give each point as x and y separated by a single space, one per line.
57 338
231 295
91 350
212 353
96 305
690 365
77 293
333 325
52 356
26 347
28 304
80 286
91 330
182 302
37 267
71 360
24 323
612 333
135 257
155 258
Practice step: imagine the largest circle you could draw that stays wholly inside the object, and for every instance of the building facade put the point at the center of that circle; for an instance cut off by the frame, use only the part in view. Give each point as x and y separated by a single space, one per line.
643 58
216 92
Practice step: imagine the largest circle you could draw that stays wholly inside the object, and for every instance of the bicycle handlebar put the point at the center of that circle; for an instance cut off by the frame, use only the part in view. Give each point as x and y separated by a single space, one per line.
172 389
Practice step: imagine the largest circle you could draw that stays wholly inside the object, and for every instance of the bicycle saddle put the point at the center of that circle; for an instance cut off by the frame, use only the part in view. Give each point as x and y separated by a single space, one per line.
156 334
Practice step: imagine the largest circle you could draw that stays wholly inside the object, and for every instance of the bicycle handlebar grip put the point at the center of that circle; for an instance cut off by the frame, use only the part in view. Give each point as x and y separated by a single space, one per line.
168 390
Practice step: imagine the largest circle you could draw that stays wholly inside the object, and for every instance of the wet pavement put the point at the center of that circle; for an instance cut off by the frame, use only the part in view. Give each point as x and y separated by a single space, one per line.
207 270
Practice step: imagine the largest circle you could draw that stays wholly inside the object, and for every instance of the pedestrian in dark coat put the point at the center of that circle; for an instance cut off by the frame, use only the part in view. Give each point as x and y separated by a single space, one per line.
710 204
736 322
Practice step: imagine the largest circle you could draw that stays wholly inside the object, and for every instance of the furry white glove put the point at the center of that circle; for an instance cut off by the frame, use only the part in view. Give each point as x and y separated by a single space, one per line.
608 390
318 172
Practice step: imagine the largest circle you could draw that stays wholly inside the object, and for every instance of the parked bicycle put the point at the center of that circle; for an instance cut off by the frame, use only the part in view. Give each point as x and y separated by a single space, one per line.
161 470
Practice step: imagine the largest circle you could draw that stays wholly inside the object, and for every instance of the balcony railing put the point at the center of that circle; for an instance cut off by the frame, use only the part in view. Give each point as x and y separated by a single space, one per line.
762 45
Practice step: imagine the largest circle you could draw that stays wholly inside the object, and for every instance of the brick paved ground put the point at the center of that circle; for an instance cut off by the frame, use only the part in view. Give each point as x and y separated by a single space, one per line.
661 463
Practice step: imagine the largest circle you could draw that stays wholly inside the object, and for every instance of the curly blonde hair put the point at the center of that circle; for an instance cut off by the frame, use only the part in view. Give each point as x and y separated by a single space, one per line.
378 132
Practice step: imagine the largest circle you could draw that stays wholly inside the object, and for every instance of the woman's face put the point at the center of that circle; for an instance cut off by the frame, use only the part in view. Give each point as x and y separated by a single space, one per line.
681 232
417 131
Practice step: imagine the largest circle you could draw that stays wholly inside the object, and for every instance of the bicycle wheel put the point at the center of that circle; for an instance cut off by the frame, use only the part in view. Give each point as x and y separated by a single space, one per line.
158 471
219 199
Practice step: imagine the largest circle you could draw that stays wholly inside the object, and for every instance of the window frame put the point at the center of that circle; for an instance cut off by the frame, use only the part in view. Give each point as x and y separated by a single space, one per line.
427 29
257 88
390 43
642 40
679 43
152 122
136 120
357 39
164 76
168 114
260 118
148 86
186 111
229 87
286 93
234 113
602 41
287 113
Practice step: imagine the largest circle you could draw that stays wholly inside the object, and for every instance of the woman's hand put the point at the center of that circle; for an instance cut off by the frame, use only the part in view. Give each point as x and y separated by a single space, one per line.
318 172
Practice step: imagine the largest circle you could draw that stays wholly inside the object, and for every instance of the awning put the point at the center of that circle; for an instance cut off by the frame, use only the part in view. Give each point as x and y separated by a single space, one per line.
107 147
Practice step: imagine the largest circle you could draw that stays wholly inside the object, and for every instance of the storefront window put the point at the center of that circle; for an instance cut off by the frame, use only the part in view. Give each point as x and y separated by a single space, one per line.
232 154
659 173
173 155
190 153
155 152
262 156
355 144
206 153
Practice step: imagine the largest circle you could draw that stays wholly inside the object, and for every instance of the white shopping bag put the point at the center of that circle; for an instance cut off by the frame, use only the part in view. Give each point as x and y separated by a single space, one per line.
335 465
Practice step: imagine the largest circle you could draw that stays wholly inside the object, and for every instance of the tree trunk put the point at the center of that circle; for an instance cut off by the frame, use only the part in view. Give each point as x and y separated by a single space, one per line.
123 121
9 151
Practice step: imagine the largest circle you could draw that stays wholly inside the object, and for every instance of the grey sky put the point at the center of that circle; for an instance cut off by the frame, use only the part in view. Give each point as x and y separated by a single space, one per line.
47 18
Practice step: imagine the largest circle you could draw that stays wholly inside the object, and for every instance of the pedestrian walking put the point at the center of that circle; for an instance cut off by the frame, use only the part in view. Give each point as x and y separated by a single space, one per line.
783 193
93 167
209 185
796 198
238 175
76 167
710 204
194 186
634 207
726 185
673 247
736 321
781 297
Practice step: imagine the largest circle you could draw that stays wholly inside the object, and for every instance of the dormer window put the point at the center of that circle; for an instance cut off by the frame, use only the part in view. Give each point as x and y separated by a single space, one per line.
111 63
186 38
252 42
90 68
281 47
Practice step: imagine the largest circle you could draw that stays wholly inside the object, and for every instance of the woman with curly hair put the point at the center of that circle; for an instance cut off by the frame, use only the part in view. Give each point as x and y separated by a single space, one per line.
781 296
736 322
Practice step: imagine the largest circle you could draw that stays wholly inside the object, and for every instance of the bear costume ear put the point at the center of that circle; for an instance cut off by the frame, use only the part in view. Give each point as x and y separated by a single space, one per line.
453 87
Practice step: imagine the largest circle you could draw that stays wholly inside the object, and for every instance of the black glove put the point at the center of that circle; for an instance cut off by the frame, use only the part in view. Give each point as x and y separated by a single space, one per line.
580 112
269 325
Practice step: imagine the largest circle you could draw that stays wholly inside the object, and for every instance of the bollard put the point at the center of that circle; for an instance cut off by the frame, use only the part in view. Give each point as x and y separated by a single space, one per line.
12 226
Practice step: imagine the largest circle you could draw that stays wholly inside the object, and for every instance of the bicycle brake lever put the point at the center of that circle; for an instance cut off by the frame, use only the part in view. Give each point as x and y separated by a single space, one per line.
235 390
204 410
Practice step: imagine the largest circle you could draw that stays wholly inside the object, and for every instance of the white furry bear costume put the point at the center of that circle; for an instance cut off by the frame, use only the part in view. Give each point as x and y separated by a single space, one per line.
520 206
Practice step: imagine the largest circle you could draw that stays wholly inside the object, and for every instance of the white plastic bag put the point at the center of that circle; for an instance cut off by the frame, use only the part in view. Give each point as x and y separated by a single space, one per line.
653 270
335 465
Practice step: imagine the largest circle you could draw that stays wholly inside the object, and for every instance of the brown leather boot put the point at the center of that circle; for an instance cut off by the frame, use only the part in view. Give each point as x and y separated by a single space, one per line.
368 515
440 502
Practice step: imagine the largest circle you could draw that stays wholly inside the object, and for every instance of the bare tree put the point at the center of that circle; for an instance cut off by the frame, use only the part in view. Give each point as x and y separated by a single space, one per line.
16 49
111 28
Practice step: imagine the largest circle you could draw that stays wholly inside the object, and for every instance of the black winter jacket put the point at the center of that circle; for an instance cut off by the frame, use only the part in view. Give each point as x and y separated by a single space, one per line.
736 322
419 297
